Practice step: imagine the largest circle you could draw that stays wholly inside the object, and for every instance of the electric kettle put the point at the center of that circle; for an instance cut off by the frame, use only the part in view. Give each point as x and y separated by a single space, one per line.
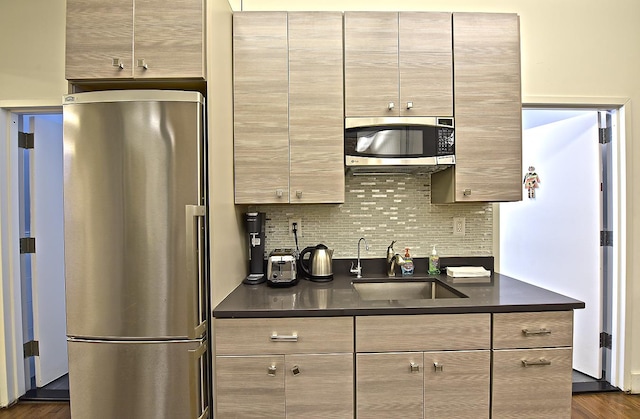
319 266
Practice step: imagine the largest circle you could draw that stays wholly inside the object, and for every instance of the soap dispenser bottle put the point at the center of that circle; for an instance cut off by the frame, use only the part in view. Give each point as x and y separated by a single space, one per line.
407 266
434 262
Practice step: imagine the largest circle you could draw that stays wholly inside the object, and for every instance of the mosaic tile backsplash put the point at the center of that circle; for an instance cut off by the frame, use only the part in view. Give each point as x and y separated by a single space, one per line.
382 209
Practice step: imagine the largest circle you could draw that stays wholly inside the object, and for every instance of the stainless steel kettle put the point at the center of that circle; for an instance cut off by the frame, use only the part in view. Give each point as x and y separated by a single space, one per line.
319 266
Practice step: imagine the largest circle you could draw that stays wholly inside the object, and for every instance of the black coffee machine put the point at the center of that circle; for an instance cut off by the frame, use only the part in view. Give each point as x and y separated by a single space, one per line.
254 222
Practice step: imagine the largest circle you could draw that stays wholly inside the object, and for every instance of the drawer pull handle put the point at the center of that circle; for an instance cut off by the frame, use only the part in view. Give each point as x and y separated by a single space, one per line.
541 361
271 371
538 332
284 338
296 370
413 367
438 367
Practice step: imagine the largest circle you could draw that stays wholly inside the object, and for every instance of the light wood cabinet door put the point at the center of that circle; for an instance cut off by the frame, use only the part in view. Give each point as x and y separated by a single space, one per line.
261 106
425 64
169 38
532 383
97 33
371 63
388 387
319 386
456 384
488 108
250 387
316 115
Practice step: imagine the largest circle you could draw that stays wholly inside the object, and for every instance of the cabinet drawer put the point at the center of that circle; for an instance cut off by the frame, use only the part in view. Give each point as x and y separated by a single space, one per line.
423 332
541 388
284 335
532 330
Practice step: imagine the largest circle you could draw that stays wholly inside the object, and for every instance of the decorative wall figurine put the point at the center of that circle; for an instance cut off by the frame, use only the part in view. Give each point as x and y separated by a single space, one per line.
531 181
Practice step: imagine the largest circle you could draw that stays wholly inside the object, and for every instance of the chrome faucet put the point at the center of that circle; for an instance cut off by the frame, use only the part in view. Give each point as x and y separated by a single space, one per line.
358 269
393 259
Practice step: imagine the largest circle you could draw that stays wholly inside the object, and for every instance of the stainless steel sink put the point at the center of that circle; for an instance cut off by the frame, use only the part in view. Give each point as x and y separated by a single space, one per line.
403 289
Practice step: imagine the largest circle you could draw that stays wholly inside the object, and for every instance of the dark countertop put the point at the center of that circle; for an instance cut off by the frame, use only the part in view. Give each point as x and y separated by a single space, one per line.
338 298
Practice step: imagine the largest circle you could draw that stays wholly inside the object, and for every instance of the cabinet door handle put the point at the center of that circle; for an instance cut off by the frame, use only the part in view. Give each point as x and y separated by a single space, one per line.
275 337
438 367
538 332
116 62
539 362
271 371
409 105
391 106
466 192
278 193
142 63
296 370
413 367
299 194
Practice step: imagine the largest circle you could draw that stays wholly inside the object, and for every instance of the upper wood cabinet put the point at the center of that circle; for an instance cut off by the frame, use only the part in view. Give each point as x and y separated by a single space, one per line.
288 107
107 40
398 64
488 111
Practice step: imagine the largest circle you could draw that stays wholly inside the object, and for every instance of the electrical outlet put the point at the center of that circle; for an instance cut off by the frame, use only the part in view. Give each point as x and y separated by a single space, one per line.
298 223
458 226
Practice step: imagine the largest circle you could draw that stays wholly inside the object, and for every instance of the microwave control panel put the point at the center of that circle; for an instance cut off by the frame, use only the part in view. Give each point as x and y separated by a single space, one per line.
446 142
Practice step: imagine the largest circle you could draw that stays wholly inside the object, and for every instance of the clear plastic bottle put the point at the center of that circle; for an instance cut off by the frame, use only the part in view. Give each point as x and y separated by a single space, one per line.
434 262
407 266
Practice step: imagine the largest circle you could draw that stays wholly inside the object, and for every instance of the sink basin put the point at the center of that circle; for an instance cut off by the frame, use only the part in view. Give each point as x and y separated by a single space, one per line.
403 289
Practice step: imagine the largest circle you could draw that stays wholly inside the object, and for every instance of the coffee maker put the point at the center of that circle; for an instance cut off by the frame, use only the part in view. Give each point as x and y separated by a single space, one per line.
254 222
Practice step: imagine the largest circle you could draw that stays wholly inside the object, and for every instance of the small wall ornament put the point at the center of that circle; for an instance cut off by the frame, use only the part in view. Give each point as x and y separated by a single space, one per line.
531 181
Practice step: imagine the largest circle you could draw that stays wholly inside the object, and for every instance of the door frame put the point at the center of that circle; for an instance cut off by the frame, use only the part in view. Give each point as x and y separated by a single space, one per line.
620 374
12 372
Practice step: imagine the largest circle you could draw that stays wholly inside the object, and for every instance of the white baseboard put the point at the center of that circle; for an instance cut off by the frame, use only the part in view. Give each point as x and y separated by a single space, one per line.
635 382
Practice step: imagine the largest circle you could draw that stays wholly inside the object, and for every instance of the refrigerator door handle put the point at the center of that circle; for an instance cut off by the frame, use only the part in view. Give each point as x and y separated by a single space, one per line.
197 326
197 392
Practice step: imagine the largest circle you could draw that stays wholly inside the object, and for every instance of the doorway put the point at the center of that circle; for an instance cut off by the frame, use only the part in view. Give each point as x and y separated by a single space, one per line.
556 237
40 181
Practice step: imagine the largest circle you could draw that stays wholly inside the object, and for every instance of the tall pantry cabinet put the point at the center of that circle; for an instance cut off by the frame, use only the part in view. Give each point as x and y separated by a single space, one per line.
288 107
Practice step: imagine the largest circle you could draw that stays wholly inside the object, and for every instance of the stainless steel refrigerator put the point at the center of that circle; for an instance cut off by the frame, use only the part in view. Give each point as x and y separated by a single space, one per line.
136 254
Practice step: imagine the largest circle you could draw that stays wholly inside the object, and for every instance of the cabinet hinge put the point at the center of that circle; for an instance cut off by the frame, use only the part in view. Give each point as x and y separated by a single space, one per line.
605 340
31 348
28 245
606 238
25 140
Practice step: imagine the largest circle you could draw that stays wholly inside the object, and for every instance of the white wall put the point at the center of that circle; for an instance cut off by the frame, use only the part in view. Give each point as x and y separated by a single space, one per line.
570 48
227 228
32 50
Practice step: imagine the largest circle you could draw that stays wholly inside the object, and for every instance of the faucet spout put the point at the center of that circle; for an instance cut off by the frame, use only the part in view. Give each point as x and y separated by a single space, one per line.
393 259
358 269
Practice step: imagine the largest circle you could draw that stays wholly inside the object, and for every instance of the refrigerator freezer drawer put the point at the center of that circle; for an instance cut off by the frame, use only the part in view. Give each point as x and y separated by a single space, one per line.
154 380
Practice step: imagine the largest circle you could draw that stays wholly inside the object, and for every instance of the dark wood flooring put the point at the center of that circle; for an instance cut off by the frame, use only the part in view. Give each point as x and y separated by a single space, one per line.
612 405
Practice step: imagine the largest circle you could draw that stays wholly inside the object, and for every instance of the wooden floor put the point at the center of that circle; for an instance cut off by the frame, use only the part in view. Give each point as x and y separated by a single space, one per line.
585 406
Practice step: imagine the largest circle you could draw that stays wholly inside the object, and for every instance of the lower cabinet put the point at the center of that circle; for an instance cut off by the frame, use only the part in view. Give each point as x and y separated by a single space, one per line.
532 383
532 364
389 385
405 366
456 384
443 384
285 386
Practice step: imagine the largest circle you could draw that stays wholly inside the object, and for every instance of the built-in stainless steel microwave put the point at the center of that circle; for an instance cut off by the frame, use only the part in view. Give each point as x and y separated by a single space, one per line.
388 143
